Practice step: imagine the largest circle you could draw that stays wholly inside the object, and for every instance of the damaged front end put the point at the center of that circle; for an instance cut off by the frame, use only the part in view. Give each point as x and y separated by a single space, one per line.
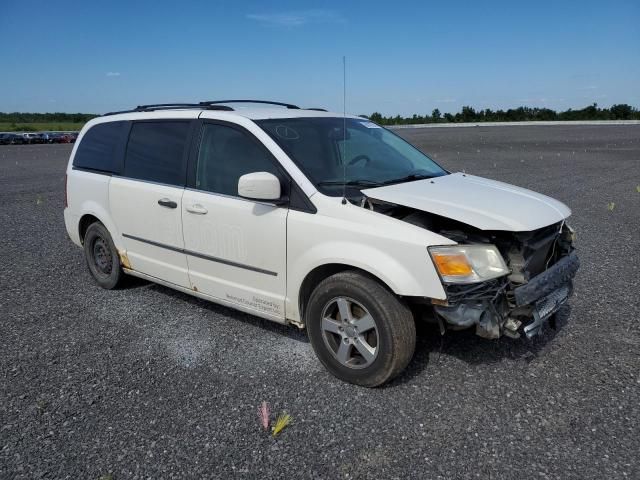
542 265
535 281
500 307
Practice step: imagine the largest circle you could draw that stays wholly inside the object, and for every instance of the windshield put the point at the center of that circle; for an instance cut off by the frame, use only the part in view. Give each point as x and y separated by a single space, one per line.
370 156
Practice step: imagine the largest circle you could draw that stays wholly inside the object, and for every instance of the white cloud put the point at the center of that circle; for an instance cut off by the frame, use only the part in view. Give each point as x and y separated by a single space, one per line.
297 19
533 100
113 74
538 101
595 97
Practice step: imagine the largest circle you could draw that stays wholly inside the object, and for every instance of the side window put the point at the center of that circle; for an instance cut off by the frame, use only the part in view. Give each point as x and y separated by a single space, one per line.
98 147
225 155
155 152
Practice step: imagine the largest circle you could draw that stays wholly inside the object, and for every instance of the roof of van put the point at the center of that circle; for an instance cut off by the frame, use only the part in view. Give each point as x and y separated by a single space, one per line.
242 108
251 113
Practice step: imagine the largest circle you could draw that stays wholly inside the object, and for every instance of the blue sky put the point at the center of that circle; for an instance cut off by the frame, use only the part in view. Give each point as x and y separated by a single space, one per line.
402 56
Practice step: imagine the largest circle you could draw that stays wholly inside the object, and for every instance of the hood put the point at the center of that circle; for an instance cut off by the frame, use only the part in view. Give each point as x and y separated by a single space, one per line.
481 203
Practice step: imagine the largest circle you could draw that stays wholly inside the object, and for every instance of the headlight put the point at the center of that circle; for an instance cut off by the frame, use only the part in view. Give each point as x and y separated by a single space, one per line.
468 263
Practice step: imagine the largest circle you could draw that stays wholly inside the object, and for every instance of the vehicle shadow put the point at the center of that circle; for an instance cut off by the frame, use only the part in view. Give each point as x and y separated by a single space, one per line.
431 347
290 331
465 345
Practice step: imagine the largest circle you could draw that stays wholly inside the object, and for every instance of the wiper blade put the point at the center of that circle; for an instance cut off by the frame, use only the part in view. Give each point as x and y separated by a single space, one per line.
408 178
352 183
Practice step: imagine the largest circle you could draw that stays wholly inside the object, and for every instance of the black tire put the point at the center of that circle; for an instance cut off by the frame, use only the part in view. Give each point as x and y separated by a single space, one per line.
102 257
395 333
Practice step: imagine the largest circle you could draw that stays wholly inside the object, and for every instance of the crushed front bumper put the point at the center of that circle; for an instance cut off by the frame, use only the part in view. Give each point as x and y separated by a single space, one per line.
548 281
547 292
497 308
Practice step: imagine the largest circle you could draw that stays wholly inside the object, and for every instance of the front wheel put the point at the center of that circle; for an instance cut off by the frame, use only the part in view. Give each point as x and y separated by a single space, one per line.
361 332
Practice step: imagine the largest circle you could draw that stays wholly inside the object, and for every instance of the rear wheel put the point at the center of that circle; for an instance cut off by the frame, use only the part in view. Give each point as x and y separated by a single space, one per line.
102 256
361 332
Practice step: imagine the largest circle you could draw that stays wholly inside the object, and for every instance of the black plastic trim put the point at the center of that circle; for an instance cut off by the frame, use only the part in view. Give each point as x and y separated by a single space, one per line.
264 102
299 201
548 281
171 106
201 255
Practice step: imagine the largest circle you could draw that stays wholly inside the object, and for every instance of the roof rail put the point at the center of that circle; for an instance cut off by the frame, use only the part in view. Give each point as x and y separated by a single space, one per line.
171 106
266 102
316 109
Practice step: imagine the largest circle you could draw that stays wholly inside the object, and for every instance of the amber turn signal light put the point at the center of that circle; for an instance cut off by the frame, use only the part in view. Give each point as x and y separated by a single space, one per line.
452 264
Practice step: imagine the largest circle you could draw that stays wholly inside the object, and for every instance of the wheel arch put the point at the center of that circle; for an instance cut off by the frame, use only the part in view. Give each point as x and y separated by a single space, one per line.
95 213
86 220
321 272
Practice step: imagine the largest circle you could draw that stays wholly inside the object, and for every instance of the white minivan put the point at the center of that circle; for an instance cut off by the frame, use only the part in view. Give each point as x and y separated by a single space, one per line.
315 219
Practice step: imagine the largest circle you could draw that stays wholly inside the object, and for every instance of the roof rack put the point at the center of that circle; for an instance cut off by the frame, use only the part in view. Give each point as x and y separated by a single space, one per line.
171 106
209 105
266 102
317 109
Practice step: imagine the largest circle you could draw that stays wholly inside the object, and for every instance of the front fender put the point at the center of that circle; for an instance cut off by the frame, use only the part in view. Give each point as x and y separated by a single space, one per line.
402 277
393 251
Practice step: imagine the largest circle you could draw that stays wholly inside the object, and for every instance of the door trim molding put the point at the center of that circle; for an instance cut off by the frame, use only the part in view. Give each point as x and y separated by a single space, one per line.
201 255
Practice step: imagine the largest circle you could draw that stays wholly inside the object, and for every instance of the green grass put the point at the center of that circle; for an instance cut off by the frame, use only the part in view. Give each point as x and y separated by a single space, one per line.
40 127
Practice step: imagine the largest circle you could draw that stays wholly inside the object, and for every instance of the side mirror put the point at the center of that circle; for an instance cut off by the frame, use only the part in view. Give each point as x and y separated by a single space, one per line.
259 186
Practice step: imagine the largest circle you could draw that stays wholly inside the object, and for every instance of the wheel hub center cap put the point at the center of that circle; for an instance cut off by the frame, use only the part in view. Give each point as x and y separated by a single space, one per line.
350 332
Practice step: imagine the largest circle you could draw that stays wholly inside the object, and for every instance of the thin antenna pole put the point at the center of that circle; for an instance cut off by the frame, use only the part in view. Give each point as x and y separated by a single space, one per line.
344 130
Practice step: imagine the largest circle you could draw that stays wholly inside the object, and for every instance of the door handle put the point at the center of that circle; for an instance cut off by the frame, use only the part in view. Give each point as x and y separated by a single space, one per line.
165 202
197 209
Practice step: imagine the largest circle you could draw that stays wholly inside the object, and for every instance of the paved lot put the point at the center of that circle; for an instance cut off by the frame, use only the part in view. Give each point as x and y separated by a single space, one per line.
145 382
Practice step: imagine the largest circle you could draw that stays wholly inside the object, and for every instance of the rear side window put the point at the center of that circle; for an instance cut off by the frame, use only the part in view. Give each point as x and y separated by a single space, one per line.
97 150
156 152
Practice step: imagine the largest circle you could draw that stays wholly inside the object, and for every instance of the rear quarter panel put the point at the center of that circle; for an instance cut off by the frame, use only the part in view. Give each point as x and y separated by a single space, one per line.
87 194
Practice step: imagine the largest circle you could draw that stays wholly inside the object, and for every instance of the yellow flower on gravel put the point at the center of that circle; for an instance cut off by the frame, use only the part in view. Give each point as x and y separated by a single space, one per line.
282 421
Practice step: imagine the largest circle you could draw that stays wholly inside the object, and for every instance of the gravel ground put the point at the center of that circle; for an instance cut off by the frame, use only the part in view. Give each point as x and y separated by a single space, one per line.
145 382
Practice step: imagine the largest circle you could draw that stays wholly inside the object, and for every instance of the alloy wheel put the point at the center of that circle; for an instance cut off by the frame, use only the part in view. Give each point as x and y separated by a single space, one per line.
350 332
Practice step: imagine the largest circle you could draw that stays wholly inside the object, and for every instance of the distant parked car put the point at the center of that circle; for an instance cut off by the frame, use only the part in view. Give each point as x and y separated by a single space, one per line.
45 137
52 137
13 139
16 139
28 138
68 137
55 137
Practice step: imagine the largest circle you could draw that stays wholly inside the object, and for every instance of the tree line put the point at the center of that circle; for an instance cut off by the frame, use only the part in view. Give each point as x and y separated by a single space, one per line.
467 114
17 117
520 114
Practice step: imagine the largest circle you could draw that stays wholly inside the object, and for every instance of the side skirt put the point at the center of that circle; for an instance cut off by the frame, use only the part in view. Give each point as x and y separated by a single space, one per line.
203 296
